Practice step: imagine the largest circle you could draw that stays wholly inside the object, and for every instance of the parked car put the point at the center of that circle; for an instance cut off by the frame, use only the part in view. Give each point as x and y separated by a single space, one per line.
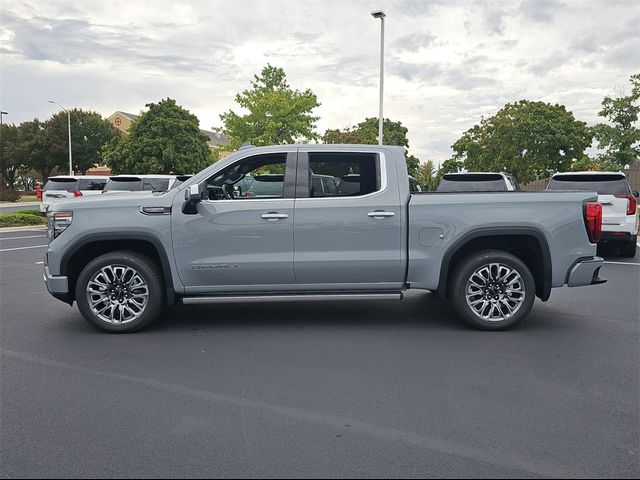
65 186
477 182
490 255
140 183
619 204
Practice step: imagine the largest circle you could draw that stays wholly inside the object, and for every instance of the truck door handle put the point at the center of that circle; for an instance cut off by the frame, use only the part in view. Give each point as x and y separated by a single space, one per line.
273 216
381 214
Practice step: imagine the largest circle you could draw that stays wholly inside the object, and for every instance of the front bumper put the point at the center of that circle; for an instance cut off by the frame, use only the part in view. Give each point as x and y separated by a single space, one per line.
586 272
57 286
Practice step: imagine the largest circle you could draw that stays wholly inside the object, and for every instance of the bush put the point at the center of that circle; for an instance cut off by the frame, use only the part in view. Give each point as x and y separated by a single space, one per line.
8 195
21 219
31 212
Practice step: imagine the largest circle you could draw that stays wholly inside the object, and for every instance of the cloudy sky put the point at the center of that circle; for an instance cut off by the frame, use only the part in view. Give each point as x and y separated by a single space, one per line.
448 62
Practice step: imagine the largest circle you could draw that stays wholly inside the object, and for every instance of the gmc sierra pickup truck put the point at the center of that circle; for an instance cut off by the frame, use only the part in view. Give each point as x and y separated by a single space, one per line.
317 222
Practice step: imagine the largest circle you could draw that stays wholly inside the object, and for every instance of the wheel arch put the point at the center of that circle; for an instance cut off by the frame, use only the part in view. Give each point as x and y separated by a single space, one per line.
91 246
527 243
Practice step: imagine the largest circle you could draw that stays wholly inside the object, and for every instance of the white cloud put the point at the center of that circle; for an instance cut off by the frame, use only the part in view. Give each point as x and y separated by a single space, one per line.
448 62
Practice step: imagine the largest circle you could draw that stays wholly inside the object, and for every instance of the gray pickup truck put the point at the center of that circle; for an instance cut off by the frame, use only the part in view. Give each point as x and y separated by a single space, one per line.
317 222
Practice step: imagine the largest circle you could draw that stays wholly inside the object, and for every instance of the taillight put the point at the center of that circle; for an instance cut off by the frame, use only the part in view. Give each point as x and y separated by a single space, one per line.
632 205
76 193
593 220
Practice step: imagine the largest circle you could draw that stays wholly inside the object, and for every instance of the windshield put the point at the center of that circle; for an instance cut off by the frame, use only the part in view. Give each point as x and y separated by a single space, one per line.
61 184
266 186
92 183
602 184
136 184
472 183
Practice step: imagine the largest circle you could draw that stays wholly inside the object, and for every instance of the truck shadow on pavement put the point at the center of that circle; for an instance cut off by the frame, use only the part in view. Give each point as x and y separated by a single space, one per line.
421 310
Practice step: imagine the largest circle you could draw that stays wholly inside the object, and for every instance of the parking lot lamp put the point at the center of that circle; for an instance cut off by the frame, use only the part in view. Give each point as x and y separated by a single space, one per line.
69 129
380 14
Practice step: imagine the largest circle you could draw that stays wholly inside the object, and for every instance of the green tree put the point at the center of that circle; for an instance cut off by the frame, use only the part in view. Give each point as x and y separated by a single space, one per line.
34 145
164 139
12 161
276 113
427 175
89 132
621 137
366 132
526 139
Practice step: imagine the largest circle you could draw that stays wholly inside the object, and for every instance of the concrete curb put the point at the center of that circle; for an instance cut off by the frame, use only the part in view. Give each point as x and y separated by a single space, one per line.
18 204
33 228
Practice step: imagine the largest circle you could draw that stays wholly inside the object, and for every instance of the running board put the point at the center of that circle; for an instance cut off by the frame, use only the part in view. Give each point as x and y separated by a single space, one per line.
314 297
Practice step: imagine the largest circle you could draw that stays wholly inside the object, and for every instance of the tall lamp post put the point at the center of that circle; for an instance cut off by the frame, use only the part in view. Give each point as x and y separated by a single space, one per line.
69 129
380 14
2 141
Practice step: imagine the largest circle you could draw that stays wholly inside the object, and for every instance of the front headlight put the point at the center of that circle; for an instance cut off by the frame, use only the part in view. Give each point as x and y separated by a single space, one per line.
58 222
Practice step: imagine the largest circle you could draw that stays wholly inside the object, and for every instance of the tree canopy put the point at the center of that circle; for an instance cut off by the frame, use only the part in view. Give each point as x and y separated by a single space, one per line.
164 139
620 139
526 139
277 114
89 132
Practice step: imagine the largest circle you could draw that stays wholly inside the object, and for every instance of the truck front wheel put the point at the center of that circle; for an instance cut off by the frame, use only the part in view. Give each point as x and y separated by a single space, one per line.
120 292
492 290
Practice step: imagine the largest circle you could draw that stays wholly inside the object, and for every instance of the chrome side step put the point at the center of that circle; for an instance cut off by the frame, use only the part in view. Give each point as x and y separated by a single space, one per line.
301 297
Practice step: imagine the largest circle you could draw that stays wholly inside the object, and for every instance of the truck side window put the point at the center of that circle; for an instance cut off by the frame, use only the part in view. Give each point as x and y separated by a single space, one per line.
344 174
259 177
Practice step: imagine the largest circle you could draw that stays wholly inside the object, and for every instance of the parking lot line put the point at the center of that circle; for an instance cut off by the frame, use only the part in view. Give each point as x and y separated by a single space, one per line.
21 248
20 238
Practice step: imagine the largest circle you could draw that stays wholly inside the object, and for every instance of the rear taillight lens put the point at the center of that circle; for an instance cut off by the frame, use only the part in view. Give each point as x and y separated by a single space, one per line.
593 220
76 193
632 205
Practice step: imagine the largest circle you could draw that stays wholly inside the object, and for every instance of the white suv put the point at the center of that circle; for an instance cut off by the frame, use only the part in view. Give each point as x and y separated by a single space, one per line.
619 204
66 186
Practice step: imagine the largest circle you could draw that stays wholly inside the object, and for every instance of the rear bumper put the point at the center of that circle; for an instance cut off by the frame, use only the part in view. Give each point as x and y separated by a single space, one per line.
606 237
586 272
58 286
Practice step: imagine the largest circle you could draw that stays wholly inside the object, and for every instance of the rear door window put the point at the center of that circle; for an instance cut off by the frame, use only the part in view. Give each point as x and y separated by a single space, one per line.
61 184
602 184
343 174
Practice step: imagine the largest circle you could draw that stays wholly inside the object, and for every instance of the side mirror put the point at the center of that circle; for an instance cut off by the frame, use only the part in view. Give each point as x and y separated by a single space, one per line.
192 197
636 194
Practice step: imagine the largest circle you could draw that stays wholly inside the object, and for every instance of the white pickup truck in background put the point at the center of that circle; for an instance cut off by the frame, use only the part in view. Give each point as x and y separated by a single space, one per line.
619 204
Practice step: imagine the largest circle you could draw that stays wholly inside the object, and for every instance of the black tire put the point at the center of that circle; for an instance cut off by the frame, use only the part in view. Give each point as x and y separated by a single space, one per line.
148 271
629 249
461 276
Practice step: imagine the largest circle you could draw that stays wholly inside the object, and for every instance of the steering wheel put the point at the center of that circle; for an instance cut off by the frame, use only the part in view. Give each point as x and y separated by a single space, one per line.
225 191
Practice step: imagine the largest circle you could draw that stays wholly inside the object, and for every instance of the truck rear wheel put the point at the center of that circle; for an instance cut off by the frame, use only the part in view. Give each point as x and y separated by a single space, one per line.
492 290
120 292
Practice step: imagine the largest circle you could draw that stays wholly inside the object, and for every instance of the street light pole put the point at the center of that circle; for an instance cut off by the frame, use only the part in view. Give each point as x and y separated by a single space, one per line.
69 130
1 145
380 14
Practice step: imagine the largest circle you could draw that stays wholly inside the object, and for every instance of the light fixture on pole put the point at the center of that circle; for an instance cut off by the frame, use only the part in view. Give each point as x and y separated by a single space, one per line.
380 14
69 129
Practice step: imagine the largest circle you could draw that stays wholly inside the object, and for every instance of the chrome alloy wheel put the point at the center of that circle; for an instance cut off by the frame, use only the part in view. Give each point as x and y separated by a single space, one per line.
495 292
117 294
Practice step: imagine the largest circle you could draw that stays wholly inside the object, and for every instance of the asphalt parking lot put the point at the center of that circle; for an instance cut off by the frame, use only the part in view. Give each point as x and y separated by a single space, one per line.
385 389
